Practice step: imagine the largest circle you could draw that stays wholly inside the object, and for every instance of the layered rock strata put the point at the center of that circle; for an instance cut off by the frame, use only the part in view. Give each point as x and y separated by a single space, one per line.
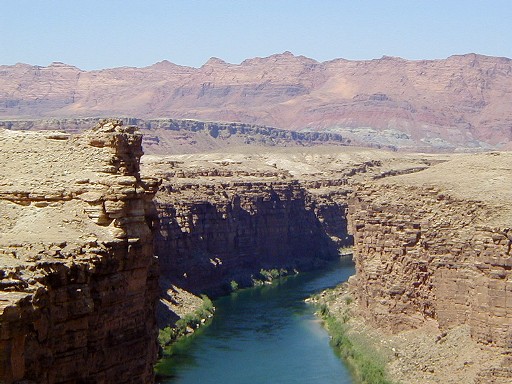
175 136
436 246
224 216
78 279
213 233
462 101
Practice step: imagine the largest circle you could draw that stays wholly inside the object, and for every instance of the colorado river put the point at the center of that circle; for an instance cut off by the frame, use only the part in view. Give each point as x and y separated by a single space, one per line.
263 335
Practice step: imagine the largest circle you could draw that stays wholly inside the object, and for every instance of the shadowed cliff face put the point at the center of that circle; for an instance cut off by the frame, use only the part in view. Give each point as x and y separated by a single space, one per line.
222 233
78 280
459 102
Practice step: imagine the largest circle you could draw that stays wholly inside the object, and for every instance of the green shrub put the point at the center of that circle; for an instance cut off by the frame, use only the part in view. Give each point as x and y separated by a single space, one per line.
323 310
206 308
191 320
165 335
272 274
234 285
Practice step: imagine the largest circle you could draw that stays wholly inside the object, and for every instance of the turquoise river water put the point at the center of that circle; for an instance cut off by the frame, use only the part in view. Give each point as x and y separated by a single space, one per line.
263 335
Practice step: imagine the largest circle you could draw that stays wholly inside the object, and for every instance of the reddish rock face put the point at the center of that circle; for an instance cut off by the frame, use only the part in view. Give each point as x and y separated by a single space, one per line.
437 245
461 101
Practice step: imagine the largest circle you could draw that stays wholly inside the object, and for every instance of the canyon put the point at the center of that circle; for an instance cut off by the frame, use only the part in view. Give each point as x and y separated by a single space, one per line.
226 215
448 104
86 232
431 241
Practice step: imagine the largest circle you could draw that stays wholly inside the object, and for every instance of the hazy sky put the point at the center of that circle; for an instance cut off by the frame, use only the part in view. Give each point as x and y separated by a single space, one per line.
111 33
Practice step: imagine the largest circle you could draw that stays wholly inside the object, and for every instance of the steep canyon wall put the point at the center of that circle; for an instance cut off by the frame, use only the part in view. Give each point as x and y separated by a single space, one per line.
225 216
436 245
78 279
222 221
212 234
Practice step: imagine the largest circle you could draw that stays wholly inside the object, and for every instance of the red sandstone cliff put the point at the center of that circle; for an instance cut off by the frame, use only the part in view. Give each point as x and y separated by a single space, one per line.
461 101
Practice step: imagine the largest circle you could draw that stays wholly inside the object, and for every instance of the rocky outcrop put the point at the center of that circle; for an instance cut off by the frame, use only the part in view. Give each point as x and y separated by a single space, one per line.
78 279
436 246
459 102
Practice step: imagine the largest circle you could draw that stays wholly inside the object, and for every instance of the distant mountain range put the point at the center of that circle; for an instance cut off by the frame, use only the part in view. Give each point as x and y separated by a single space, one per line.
460 102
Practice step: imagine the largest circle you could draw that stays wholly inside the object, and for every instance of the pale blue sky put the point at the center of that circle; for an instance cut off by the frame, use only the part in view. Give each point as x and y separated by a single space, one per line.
111 33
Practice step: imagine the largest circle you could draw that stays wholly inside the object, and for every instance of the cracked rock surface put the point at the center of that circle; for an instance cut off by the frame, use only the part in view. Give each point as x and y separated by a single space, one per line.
78 283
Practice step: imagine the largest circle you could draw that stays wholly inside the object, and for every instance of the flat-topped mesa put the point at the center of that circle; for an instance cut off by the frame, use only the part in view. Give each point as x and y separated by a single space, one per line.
436 245
78 279
174 136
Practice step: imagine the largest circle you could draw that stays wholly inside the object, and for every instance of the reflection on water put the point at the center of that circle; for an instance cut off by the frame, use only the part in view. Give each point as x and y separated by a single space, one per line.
263 335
